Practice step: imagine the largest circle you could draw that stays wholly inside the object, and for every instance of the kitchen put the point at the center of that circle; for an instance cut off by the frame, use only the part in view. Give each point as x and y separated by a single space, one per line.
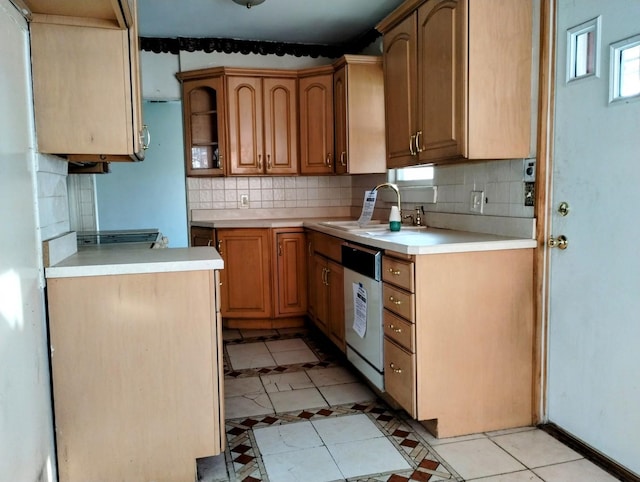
52 223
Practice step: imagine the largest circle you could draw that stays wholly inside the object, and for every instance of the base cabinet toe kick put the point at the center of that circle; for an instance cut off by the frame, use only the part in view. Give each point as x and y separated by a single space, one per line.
458 338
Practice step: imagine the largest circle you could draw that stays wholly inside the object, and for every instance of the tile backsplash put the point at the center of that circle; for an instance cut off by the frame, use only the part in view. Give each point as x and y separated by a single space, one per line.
501 181
269 192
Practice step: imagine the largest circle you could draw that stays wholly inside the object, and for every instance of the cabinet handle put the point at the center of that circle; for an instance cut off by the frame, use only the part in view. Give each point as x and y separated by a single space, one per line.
418 143
328 161
209 242
412 140
394 272
268 161
220 247
259 161
145 137
309 248
342 156
394 301
394 369
394 329
279 249
325 276
328 273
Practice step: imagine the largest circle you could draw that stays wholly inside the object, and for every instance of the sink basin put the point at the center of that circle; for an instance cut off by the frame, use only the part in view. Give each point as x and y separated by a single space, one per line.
353 225
373 228
404 231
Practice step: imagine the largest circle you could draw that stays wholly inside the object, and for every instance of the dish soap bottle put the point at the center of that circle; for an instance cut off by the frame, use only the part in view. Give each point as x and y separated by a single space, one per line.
394 219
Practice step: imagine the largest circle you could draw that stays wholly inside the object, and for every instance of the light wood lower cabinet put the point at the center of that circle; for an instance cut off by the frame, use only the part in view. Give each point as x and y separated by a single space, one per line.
459 339
263 283
137 375
326 280
246 279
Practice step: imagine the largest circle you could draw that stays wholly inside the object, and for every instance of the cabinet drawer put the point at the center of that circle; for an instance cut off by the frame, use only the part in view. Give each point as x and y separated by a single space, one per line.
399 330
328 246
398 272
399 301
399 376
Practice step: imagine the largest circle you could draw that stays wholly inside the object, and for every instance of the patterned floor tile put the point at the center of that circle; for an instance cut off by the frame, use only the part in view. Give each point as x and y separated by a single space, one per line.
244 460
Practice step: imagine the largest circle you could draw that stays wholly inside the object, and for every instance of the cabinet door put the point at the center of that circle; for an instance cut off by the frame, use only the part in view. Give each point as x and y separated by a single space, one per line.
441 80
359 116
291 274
320 291
203 116
316 124
202 236
335 324
82 90
246 277
244 103
280 126
340 119
400 79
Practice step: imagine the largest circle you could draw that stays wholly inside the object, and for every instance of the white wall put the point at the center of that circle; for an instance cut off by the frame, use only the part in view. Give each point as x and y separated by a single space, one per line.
26 181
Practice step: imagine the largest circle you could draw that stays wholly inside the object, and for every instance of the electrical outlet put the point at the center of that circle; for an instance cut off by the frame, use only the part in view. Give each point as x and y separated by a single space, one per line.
477 202
244 200
529 193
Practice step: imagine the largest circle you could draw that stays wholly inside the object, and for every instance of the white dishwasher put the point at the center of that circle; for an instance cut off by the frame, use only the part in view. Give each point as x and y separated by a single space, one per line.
363 311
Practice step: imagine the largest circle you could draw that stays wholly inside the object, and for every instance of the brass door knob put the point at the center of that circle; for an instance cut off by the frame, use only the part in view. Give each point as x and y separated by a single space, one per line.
560 242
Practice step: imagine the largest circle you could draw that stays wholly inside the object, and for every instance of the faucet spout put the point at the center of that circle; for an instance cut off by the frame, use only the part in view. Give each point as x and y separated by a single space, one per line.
392 186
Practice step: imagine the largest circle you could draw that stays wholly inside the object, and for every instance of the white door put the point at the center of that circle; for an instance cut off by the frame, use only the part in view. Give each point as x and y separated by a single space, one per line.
594 316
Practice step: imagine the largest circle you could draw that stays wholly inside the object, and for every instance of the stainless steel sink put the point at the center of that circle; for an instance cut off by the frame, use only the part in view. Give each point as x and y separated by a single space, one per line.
373 228
353 225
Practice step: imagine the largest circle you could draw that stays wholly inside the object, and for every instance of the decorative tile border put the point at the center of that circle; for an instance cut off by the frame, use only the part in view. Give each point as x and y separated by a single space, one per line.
426 465
244 462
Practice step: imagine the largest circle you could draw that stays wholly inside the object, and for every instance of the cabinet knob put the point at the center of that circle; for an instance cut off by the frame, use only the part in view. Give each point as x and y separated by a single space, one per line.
394 272
394 329
394 301
394 369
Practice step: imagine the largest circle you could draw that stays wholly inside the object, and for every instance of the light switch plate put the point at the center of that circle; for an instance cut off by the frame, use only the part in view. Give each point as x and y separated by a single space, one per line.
477 202
244 200
529 170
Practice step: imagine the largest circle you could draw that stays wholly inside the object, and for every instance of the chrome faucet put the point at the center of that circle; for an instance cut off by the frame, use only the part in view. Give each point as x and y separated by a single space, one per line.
390 186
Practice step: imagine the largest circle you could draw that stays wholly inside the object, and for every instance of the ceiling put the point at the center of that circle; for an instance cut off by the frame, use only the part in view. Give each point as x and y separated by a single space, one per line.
326 22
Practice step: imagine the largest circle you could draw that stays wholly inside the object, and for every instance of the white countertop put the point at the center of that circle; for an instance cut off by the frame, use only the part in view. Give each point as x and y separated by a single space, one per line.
101 261
427 241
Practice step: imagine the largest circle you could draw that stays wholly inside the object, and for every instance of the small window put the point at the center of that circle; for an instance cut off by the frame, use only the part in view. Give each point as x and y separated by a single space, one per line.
407 176
625 69
583 45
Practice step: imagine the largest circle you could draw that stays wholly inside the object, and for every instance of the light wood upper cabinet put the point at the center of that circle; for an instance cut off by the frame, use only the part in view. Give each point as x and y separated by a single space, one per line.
86 80
458 80
316 121
358 88
280 100
262 125
204 128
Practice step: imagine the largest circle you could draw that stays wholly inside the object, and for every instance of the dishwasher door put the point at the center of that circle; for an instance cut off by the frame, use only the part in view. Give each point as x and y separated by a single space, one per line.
365 352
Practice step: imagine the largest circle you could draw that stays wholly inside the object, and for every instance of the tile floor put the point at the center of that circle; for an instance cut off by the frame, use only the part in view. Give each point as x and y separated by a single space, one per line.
296 412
